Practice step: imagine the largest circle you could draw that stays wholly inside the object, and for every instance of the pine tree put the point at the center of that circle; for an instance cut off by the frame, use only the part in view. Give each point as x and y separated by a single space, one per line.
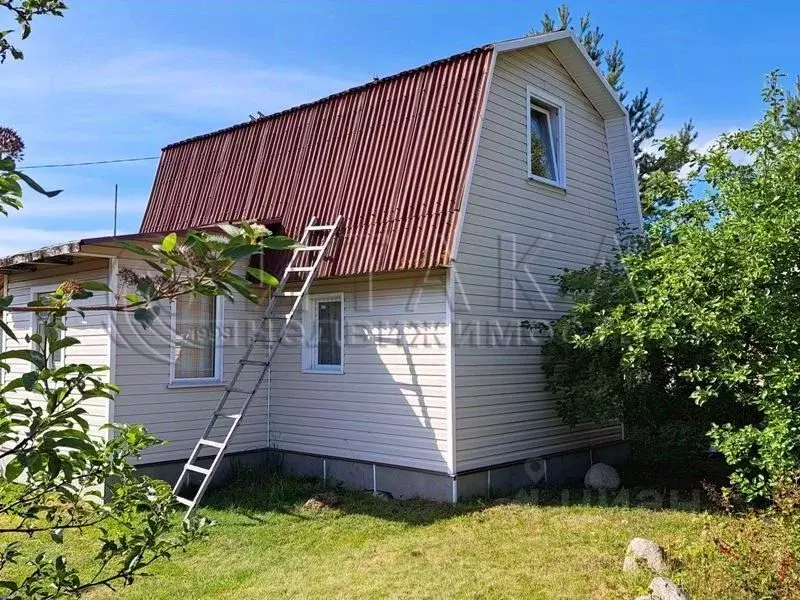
644 114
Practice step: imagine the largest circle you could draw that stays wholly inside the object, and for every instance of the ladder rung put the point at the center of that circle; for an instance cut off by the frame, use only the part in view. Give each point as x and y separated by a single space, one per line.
266 333
239 391
211 443
197 469
229 415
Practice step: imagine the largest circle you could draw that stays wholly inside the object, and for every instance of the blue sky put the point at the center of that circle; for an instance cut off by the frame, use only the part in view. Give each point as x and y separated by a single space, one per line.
118 80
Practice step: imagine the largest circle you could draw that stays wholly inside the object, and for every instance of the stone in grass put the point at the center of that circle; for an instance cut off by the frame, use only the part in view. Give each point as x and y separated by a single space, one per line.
322 501
664 589
381 495
641 551
602 477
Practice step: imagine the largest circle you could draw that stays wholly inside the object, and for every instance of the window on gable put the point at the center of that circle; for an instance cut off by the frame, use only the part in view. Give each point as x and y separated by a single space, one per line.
545 139
323 325
196 339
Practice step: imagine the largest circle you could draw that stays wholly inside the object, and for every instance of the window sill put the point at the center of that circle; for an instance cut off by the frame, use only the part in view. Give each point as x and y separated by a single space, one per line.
548 182
324 371
179 385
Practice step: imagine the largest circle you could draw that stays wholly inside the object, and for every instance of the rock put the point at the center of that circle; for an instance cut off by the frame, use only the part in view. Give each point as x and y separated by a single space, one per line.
664 589
602 477
381 495
644 551
322 501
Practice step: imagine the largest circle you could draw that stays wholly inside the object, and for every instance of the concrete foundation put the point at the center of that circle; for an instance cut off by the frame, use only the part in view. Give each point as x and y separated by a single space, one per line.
567 468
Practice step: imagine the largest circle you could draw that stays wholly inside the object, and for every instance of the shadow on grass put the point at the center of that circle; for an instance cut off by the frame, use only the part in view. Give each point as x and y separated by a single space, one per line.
258 494
255 494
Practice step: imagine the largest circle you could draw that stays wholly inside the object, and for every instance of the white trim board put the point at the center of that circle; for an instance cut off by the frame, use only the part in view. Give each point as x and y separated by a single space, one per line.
310 322
219 374
558 147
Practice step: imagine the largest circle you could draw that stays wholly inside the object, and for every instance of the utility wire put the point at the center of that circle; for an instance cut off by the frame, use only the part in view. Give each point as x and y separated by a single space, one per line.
83 164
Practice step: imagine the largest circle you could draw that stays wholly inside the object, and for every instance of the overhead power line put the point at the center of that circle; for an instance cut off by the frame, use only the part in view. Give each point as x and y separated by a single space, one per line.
85 164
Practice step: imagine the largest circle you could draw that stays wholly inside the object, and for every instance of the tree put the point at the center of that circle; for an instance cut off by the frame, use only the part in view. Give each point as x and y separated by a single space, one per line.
56 480
56 471
705 308
23 12
665 157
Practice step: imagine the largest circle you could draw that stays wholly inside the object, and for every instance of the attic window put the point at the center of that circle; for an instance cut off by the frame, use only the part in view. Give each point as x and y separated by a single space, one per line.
546 154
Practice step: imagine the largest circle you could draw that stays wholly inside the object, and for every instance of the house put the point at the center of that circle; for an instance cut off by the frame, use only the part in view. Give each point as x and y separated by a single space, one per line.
464 186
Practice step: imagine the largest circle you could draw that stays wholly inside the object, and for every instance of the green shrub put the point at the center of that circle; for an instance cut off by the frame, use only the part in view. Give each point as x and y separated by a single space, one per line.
698 322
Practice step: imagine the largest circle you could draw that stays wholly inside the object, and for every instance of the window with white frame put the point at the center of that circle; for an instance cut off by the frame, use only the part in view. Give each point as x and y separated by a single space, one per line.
56 359
323 332
196 356
546 155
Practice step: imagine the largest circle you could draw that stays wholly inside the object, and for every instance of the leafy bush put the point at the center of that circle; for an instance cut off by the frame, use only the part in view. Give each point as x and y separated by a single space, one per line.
699 321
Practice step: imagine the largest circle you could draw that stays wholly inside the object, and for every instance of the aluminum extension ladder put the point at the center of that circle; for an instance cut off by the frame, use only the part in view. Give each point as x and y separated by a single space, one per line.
261 335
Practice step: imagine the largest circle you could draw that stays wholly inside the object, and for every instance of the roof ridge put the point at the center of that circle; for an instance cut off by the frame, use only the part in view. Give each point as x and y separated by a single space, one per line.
325 99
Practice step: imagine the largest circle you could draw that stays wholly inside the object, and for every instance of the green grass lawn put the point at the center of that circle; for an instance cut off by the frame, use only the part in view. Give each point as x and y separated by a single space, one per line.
265 545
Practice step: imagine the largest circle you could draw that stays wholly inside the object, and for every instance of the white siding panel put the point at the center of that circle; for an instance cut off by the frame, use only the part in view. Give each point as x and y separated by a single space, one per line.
178 415
92 331
389 406
517 235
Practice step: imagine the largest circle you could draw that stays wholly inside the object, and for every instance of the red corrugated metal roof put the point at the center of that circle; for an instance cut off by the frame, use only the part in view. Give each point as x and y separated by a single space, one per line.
390 156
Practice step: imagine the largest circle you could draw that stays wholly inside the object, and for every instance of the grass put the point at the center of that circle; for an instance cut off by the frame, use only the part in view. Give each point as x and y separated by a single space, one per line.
265 545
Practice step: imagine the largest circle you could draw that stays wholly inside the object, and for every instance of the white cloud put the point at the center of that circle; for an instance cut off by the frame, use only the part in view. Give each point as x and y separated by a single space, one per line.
147 97
74 108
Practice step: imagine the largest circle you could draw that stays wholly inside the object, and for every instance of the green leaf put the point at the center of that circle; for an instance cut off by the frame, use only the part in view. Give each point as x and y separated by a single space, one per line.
7 330
169 242
231 230
63 343
145 316
35 186
237 252
95 286
29 380
13 470
278 242
31 356
135 248
263 277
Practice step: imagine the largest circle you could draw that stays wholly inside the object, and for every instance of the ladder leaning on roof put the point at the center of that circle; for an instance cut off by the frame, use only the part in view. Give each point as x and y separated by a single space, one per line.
261 335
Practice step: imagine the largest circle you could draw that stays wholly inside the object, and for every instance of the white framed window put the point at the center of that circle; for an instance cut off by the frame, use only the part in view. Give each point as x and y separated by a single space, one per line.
196 348
546 139
323 333
38 321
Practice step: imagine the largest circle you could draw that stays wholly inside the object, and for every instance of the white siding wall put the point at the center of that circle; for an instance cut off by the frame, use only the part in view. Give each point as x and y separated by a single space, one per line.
389 406
91 331
178 415
516 235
